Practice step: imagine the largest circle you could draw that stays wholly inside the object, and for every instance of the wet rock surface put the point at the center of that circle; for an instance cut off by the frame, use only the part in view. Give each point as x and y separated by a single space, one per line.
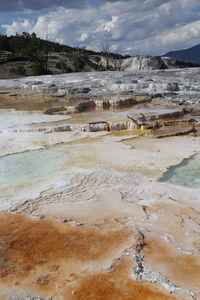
35 262
85 211
114 233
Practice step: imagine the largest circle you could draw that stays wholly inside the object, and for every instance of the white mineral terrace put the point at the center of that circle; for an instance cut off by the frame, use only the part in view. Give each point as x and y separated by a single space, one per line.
172 82
90 214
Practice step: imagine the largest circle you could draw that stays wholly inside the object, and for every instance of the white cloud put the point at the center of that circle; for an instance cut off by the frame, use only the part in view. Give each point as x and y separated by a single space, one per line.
19 27
83 37
186 33
108 26
150 26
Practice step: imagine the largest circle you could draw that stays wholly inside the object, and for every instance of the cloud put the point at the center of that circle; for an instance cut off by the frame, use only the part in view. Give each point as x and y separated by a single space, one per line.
146 27
107 26
83 37
24 5
19 27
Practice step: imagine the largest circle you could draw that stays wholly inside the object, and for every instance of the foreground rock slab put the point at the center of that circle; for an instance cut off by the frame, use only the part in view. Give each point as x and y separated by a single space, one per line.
46 259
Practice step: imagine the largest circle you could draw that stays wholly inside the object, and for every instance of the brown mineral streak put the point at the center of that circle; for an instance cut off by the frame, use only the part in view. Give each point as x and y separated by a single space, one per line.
27 244
37 255
26 100
30 240
180 268
31 100
116 285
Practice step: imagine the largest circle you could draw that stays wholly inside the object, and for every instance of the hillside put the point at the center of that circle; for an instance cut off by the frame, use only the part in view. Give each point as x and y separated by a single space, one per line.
189 55
26 55
58 62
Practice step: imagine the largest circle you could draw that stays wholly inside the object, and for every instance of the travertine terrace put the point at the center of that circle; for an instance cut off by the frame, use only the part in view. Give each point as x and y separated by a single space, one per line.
99 186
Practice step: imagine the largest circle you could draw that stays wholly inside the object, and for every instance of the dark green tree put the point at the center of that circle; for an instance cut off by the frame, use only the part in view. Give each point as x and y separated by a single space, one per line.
30 46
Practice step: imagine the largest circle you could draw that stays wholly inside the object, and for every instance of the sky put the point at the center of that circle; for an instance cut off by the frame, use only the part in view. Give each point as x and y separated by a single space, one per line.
131 26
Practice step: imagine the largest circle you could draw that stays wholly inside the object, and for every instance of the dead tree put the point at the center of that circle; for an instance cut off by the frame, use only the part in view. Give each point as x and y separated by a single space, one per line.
140 60
117 63
106 50
46 53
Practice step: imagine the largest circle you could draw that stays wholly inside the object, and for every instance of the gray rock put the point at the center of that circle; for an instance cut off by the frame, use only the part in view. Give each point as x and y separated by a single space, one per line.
178 84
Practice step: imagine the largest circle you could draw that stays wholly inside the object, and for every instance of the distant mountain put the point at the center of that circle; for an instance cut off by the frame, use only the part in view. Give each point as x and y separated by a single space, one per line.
190 55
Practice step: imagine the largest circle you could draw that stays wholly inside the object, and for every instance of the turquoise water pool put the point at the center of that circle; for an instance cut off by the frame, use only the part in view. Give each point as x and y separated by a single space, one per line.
30 166
187 173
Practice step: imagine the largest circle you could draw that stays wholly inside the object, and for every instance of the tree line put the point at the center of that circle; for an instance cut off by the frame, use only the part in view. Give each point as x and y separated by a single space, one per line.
30 47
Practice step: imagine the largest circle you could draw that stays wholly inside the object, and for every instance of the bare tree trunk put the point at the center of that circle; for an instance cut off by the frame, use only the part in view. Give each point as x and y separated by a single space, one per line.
139 58
119 64
106 49
46 54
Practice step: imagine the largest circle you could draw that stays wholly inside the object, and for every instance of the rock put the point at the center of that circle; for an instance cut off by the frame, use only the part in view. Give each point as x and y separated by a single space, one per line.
115 126
102 103
84 105
177 133
54 110
62 128
98 126
178 84
148 63
170 115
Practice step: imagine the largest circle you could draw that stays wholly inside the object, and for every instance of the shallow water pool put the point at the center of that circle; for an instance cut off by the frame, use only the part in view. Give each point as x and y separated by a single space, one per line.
11 120
30 166
187 173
